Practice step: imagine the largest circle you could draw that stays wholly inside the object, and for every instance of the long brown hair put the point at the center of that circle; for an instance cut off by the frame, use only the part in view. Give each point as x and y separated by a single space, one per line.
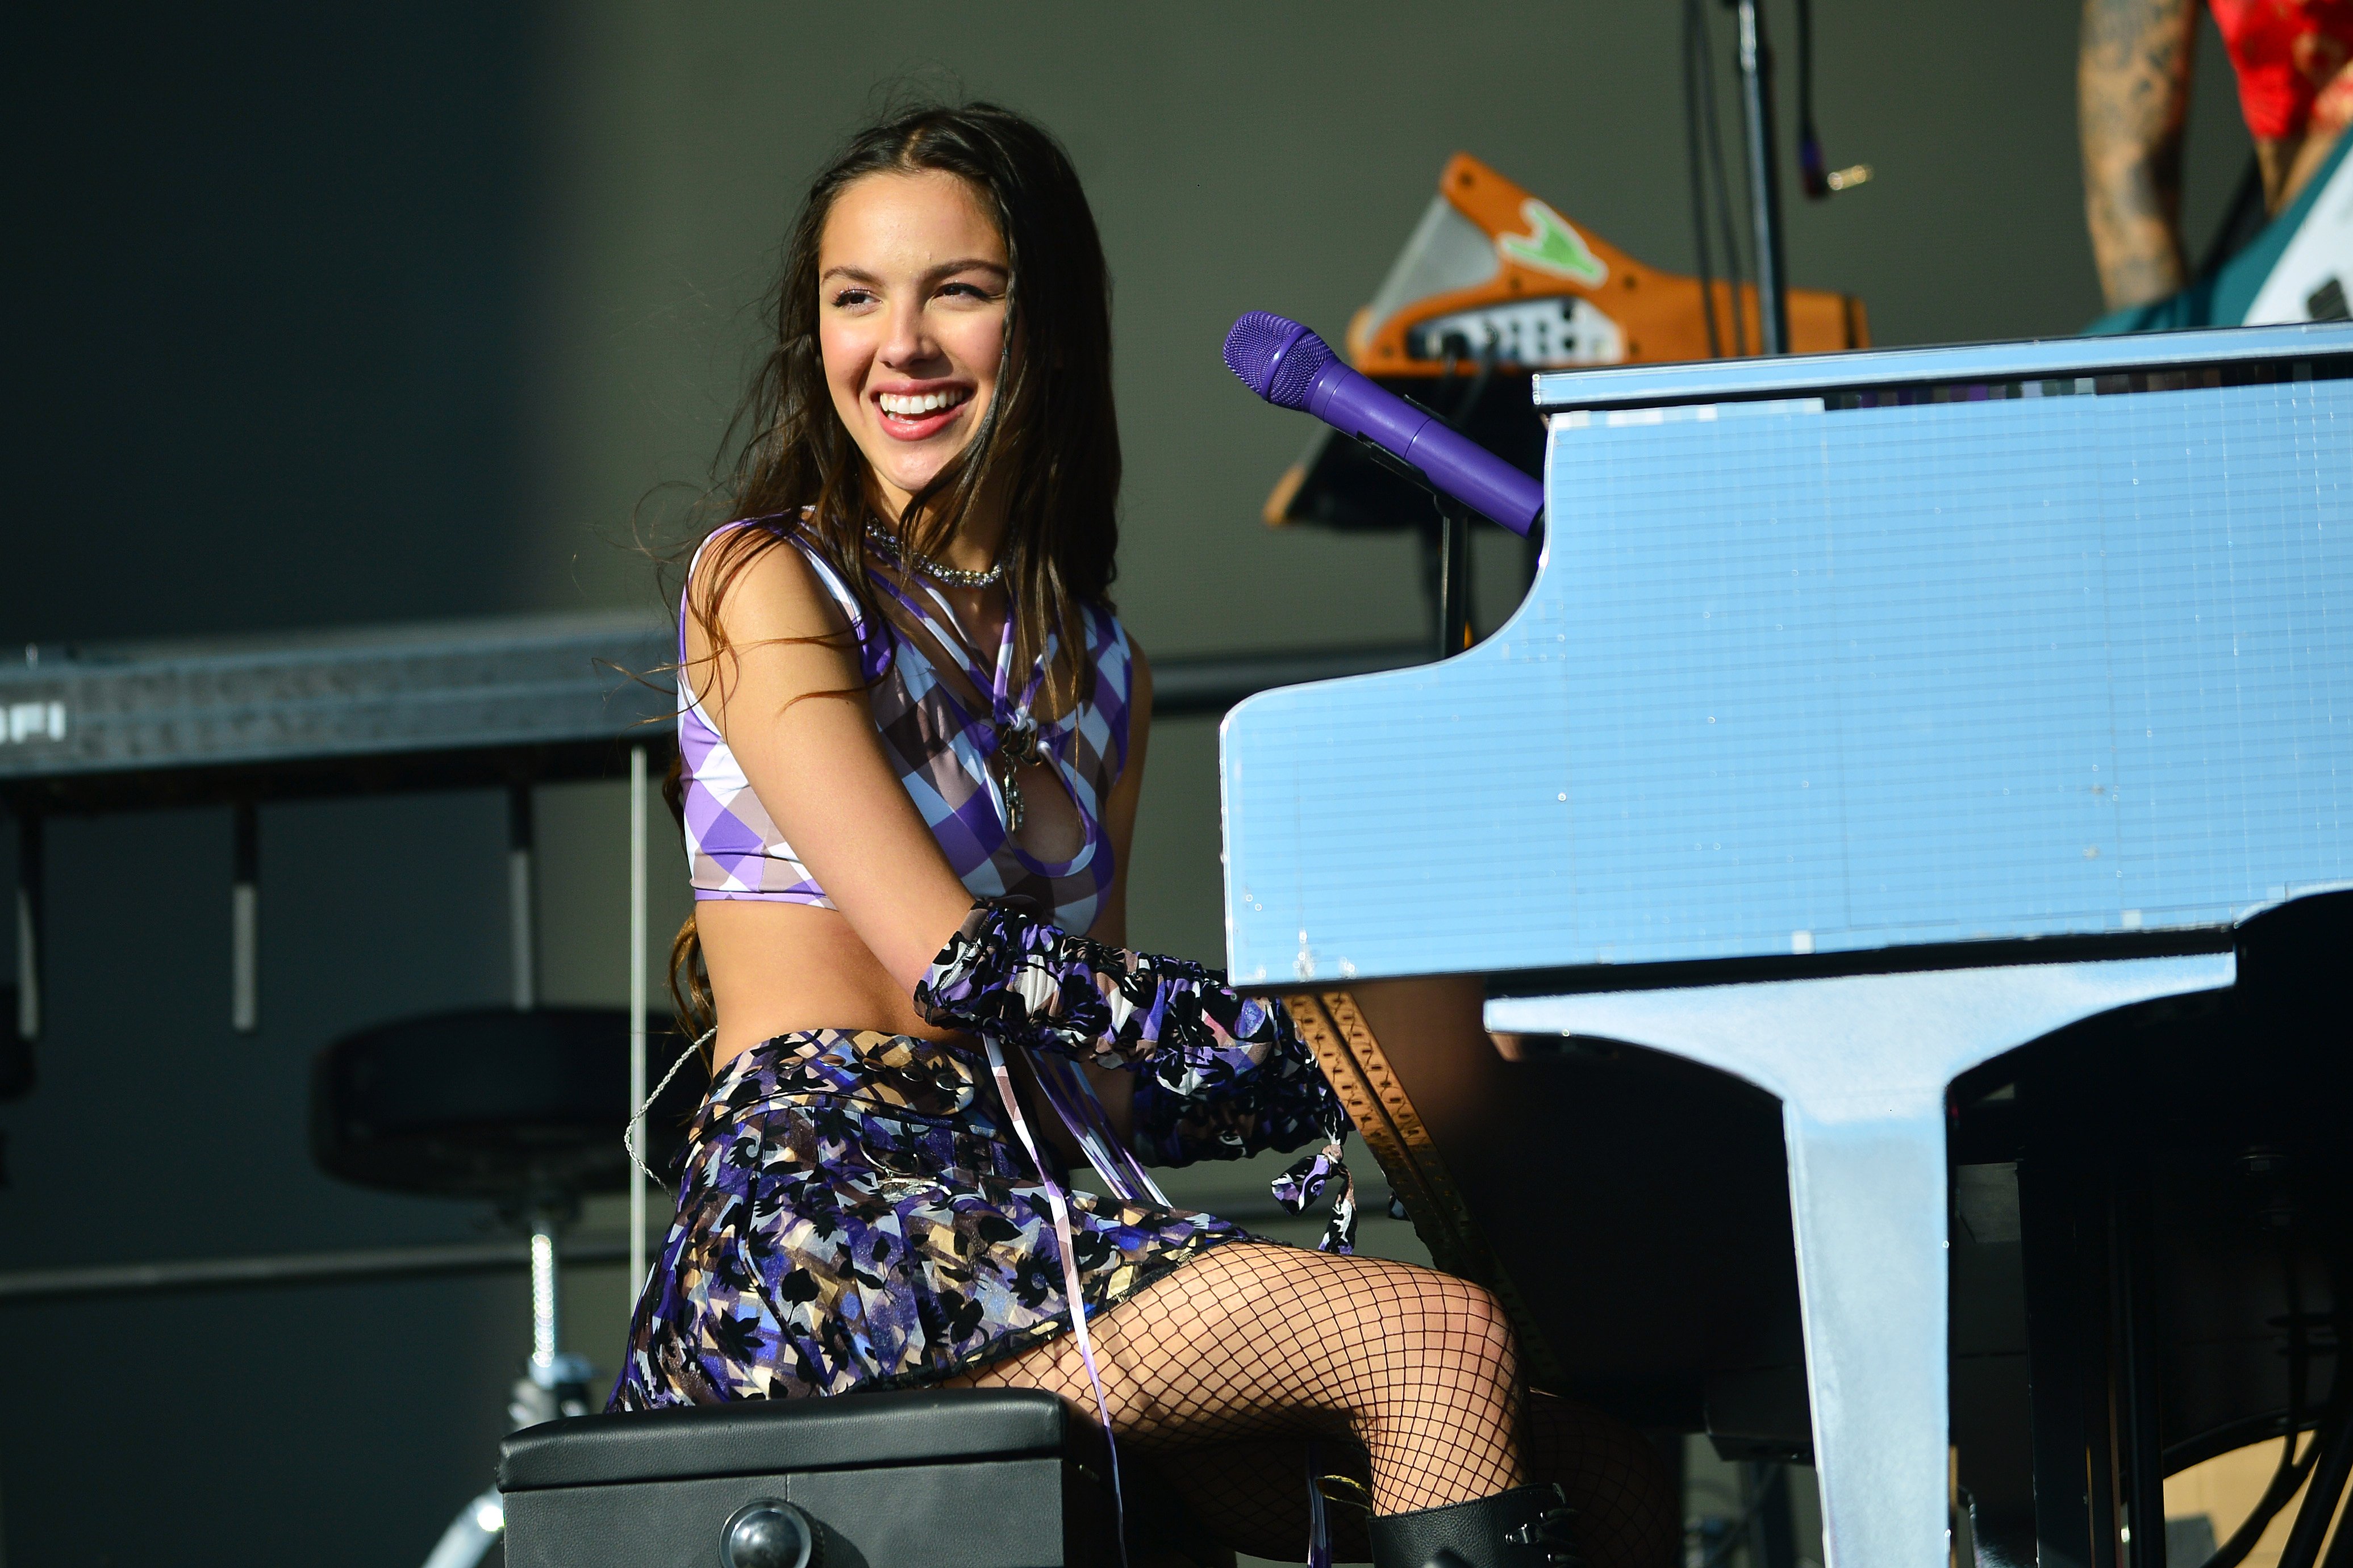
1046 448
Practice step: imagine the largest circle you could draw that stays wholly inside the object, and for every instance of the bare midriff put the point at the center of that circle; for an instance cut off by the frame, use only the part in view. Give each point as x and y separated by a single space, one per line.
778 968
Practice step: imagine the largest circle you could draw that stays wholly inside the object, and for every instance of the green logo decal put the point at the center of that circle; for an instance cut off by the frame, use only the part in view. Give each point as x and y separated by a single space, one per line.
1551 245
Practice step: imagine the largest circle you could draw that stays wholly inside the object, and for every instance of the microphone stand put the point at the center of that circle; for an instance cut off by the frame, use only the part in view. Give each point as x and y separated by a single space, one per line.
1453 575
1763 190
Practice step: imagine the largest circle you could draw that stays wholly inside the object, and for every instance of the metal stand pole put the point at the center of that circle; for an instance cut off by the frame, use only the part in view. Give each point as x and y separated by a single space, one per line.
636 1017
1453 578
29 867
245 921
1764 191
555 1380
2139 1335
554 1384
523 913
544 1323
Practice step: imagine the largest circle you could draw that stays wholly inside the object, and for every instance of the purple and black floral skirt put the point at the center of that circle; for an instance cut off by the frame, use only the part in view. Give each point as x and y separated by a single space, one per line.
849 1216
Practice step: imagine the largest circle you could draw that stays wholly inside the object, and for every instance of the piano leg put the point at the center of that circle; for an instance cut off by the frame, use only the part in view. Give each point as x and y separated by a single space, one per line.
1860 1064
1867 1194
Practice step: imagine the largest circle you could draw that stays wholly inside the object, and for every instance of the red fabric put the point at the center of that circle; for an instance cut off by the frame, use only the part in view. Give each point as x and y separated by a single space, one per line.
2291 56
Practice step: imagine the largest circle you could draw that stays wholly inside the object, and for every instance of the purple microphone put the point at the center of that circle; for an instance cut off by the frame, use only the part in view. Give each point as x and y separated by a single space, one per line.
1290 367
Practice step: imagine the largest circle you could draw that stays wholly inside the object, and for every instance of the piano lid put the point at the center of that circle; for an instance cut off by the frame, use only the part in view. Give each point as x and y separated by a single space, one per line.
1847 653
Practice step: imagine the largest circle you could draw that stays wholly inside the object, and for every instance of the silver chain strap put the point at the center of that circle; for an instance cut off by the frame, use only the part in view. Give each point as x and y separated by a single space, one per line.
629 1128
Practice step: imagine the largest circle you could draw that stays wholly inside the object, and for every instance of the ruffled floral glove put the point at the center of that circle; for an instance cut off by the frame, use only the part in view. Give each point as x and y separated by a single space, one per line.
1226 1074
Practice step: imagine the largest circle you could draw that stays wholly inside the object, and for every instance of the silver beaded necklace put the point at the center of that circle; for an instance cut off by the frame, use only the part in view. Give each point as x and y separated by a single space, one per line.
954 576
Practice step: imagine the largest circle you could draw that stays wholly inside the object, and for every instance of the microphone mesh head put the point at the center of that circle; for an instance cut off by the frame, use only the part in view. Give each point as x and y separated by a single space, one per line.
1276 357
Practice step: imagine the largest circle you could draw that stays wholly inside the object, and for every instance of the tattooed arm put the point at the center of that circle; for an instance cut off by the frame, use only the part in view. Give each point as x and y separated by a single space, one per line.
2132 89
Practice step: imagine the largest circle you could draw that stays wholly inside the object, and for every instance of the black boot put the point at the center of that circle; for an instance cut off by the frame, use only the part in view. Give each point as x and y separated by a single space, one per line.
1528 1527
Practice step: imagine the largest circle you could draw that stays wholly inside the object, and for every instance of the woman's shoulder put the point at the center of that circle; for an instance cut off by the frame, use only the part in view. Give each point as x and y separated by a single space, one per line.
764 577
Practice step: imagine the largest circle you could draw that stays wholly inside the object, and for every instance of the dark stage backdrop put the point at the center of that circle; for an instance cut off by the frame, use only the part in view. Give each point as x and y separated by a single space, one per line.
336 314
267 272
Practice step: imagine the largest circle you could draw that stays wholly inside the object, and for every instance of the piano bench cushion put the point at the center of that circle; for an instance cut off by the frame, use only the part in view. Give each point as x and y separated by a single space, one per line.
930 1477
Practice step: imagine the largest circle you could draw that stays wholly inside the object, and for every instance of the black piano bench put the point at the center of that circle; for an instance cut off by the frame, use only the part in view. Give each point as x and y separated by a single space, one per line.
925 1479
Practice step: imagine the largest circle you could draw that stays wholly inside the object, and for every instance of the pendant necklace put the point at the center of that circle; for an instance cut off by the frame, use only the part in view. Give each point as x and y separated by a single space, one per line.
1017 732
1016 748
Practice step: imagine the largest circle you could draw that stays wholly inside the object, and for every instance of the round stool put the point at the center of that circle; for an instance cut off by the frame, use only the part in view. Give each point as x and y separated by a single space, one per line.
520 1108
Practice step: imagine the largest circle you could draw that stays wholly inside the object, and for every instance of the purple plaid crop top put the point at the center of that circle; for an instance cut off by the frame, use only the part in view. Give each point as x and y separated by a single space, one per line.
940 748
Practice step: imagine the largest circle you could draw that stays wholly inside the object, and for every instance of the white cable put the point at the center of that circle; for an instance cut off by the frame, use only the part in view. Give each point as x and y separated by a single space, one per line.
637 1014
1072 1295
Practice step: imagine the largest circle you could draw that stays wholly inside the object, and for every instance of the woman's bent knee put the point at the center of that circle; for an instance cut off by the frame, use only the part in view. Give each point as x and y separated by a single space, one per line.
1486 1330
1437 1316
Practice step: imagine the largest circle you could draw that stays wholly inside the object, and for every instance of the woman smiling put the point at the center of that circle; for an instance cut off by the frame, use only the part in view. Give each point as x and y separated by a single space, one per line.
912 737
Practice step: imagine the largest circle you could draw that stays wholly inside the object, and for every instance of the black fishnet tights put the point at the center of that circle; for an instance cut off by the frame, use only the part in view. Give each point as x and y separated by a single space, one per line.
1252 1494
1252 1340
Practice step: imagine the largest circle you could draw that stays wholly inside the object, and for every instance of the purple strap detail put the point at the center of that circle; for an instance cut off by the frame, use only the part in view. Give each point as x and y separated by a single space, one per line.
1006 709
1081 1113
1070 1278
1319 1523
1010 720
1306 1180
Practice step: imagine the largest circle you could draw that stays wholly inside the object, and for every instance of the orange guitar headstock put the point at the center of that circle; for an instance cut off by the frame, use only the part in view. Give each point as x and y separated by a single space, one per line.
1493 266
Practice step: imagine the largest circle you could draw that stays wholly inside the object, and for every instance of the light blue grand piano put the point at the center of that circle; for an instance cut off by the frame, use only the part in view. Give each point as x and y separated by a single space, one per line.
1875 721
